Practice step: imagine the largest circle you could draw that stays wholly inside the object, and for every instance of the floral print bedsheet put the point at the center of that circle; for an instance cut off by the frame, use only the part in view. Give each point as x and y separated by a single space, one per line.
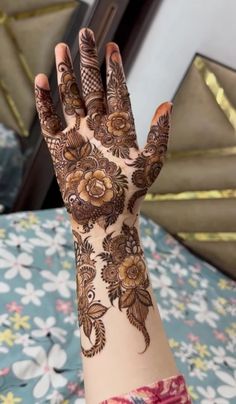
39 337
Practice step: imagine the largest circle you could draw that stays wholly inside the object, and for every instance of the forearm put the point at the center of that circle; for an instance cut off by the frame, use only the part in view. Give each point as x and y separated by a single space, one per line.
123 342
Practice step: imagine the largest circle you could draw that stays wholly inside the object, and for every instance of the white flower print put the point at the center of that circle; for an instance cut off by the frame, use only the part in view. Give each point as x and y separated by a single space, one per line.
48 326
4 287
204 283
221 357
17 265
53 244
179 270
149 243
80 401
3 349
198 373
30 294
71 318
55 397
203 314
209 395
151 264
163 283
4 319
228 390
211 365
164 313
77 332
176 313
50 224
185 351
24 340
17 240
60 283
42 365
231 346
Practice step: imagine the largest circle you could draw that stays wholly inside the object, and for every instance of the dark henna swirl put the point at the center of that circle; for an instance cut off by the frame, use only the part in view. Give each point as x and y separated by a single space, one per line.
90 310
150 161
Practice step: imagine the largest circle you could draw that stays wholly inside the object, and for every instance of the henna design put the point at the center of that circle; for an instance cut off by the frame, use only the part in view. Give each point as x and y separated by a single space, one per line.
92 187
50 122
117 92
68 88
151 159
90 310
125 272
90 75
116 131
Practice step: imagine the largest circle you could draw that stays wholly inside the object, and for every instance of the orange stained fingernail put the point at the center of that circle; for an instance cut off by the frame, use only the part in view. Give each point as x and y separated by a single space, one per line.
164 108
113 51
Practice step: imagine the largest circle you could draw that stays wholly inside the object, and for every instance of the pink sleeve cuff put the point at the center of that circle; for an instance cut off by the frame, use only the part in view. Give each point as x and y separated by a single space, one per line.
167 391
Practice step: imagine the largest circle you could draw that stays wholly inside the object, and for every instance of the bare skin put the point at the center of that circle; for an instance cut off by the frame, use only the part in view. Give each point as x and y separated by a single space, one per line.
103 178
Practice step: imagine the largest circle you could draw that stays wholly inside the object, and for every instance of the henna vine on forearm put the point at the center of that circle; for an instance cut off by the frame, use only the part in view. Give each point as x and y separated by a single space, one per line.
150 161
125 272
90 310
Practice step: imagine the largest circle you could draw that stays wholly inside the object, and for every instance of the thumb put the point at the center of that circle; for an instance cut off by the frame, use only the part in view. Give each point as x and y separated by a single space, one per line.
160 126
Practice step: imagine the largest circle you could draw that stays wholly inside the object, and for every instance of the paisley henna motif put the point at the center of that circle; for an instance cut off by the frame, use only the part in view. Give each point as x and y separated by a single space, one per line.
149 162
90 310
125 272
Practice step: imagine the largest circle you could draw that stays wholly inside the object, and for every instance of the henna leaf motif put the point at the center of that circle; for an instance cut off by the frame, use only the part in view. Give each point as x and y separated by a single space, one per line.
96 311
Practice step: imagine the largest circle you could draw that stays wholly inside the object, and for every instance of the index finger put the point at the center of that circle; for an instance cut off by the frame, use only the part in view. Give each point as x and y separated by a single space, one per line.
50 121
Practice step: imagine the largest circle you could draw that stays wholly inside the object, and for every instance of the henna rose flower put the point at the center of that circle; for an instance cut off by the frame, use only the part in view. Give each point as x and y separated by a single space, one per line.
95 188
132 271
74 178
70 94
118 123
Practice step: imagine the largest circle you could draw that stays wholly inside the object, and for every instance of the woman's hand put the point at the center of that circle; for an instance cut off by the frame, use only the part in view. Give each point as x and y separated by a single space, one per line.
101 171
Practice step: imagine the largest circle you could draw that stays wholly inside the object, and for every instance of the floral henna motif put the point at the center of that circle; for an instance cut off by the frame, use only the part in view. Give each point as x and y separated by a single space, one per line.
49 120
125 272
90 76
93 188
151 159
68 88
90 310
116 131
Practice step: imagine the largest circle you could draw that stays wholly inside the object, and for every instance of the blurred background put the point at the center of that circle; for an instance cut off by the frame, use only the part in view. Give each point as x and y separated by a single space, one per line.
172 50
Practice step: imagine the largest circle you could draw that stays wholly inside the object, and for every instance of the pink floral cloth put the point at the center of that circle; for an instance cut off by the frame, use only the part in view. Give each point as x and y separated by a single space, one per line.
167 391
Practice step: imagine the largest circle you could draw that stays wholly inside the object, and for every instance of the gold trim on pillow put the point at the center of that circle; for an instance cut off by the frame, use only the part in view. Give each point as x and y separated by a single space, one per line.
224 151
5 20
217 90
208 236
13 108
53 8
190 195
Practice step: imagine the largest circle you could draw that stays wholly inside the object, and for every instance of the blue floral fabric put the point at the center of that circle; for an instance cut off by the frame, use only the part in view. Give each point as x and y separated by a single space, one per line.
39 337
11 167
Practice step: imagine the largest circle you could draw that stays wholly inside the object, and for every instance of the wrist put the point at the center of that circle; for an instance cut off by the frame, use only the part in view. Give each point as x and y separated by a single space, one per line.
98 231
